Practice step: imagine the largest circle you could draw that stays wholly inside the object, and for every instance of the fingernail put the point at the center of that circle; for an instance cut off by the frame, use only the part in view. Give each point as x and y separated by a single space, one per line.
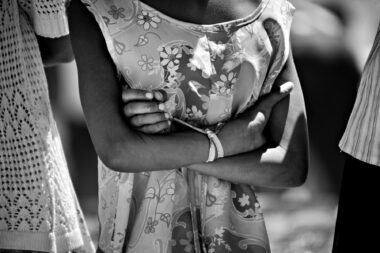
124 96
167 115
159 95
286 87
149 95
161 107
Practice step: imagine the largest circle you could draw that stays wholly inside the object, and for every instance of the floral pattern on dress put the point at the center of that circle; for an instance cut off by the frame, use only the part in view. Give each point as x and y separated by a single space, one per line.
143 39
116 13
146 63
225 85
148 20
210 73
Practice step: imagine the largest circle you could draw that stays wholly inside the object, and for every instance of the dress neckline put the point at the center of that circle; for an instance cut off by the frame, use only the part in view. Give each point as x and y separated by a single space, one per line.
230 23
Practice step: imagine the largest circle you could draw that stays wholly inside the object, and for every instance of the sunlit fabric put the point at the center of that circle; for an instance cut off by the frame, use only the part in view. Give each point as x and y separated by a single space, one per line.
362 136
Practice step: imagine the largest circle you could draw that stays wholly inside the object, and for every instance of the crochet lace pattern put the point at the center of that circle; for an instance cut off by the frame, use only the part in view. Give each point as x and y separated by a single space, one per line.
38 206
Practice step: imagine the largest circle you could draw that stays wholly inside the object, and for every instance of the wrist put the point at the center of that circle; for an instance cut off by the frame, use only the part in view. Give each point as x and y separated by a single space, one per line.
234 137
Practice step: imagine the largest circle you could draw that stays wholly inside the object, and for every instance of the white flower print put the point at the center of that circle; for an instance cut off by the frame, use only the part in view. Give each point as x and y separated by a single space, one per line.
226 83
218 240
146 63
173 69
171 105
147 20
174 80
191 66
194 113
244 200
170 56
217 49
219 231
206 102
170 191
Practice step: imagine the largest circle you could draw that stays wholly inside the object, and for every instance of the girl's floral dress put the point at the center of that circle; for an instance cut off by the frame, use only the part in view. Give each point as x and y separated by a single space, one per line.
211 73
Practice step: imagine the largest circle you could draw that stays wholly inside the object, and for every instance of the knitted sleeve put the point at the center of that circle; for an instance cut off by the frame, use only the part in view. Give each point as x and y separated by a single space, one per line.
48 16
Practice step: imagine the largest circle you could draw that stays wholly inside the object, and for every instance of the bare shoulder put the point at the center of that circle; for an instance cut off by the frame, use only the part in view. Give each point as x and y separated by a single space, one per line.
77 11
206 11
80 18
234 9
85 33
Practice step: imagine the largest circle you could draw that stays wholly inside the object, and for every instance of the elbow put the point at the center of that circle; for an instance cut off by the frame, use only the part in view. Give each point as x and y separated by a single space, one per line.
298 168
118 156
111 156
297 159
299 176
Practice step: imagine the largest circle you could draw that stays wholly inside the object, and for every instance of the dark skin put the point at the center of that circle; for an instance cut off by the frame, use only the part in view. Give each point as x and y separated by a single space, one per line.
55 50
122 147
204 11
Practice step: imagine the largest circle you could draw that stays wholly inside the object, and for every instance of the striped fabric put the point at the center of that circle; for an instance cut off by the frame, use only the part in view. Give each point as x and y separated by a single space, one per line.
362 136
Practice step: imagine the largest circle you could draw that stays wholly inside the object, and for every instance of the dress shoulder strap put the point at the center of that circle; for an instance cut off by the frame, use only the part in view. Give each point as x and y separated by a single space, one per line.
113 13
112 17
277 19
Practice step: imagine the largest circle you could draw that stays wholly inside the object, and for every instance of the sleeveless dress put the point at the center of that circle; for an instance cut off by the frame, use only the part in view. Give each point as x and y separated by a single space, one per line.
211 73
39 210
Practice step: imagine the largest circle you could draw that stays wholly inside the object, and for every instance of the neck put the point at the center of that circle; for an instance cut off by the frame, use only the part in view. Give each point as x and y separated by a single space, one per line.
204 11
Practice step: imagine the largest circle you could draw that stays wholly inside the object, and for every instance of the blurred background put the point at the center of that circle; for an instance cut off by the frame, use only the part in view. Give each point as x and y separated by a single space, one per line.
331 40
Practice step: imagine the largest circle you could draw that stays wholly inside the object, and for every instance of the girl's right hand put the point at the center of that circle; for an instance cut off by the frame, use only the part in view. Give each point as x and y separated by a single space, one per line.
145 110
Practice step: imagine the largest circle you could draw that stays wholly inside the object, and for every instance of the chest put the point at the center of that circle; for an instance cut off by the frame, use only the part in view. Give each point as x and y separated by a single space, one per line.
205 11
210 72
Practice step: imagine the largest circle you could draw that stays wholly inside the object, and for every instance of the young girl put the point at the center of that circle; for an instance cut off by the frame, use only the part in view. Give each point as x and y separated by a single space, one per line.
38 206
202 65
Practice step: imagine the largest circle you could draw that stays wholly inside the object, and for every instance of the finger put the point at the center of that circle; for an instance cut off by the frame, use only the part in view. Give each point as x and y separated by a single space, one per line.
148 119
160 95
286 88
155 128
142 107
277 95
129 95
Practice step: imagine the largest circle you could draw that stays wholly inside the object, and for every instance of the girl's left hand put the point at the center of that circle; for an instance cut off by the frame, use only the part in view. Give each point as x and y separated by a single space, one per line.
145 110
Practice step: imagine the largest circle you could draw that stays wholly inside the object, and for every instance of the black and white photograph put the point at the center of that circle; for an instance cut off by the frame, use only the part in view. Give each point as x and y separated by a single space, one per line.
189 126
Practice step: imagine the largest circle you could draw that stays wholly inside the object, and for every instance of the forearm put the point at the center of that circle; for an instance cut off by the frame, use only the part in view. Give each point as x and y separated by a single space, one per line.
142 152
128 150
285 163
265 167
